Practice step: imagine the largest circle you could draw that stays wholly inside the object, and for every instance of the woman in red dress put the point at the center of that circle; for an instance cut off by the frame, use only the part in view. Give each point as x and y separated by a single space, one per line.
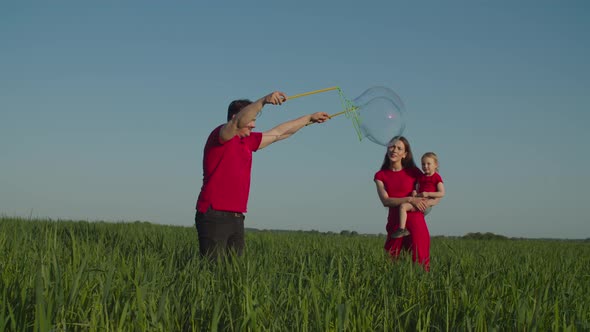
395 181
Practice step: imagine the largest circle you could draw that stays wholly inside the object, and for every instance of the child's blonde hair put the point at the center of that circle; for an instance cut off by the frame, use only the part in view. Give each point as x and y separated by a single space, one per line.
431 155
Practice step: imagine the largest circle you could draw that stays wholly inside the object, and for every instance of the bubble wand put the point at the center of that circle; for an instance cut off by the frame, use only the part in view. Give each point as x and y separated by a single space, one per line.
349 108
382 111
314 92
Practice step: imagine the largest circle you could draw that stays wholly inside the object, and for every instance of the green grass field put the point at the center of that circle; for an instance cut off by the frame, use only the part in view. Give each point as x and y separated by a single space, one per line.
65 275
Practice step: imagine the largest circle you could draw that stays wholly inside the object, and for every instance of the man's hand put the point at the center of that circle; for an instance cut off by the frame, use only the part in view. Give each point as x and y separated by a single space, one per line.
319 117
275 98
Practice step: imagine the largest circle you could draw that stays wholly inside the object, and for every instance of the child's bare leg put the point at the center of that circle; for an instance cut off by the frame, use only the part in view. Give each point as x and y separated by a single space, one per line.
403 213
403 217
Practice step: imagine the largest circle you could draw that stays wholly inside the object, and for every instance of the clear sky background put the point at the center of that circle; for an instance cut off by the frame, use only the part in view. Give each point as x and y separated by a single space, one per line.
105 107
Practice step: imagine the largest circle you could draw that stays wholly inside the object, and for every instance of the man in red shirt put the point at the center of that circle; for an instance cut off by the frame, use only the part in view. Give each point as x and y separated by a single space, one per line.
227 164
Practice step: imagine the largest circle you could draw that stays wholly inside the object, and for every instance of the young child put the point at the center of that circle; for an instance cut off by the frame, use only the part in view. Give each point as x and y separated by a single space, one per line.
430 185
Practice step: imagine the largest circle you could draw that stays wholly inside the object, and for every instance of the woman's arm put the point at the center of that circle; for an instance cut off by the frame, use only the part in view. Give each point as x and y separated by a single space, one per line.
420 203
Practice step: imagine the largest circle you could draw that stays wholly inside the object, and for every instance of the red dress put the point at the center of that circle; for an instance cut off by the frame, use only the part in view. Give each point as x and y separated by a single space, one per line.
400 184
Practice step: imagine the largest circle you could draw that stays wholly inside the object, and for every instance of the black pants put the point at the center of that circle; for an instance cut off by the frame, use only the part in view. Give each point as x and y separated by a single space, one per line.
220 232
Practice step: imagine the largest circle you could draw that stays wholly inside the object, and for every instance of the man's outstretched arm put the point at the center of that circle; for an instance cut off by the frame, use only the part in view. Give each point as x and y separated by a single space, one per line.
286 129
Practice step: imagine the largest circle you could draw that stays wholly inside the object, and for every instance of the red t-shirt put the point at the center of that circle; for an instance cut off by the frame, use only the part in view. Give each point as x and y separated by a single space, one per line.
226 172
429 183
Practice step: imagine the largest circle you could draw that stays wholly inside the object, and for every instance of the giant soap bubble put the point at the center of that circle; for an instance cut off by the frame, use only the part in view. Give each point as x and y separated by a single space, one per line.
381 114
377 114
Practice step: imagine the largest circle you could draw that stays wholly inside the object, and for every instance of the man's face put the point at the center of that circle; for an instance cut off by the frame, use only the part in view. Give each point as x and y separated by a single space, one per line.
245 132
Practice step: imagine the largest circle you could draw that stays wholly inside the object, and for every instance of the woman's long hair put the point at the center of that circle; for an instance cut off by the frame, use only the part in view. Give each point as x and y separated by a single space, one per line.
407 162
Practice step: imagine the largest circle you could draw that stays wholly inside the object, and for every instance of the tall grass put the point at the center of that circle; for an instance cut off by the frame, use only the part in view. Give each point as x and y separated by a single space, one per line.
65 275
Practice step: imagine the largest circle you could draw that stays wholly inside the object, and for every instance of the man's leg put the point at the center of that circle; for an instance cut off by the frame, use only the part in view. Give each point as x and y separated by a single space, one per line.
236 240
213 234
219 232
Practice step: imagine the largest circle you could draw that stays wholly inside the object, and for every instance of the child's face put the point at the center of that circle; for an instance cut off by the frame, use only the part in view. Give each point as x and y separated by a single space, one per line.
429 165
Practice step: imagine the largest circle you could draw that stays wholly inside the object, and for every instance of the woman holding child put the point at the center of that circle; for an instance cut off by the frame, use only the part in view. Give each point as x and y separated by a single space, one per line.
395 182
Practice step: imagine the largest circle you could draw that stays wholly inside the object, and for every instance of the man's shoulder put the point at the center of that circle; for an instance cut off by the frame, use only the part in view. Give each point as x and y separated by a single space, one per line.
213 140
216 130
253 141
255 135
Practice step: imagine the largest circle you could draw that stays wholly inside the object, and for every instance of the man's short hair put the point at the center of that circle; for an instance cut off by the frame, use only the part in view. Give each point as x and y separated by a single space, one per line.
236 106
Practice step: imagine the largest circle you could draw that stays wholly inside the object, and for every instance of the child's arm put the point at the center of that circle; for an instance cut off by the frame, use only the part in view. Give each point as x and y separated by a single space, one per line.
440 192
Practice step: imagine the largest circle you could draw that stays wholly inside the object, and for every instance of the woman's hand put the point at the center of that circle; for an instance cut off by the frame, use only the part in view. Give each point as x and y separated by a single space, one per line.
419 203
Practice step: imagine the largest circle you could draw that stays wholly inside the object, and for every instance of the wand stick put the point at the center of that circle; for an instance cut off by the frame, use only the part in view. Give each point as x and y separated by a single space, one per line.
312 92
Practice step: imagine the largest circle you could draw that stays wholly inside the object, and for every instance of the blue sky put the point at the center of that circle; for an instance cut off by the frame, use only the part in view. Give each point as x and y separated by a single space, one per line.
105 108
